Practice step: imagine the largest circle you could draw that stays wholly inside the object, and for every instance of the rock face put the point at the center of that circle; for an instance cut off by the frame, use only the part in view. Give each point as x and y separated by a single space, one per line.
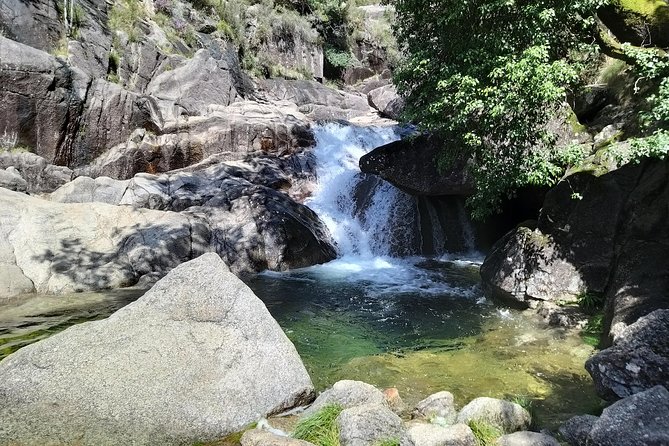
195 358
410 164
637 361
506 416
638 419
594 234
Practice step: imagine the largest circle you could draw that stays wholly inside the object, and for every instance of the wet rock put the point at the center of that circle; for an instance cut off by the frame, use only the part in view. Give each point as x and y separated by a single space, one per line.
434 435
368 424
526 438
575 431
206 359
439 408
11 179
347 393
410 165
507 416
638 419
528 265
637 361
260 437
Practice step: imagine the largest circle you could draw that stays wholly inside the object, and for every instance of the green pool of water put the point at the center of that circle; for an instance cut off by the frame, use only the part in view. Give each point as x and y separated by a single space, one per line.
421 327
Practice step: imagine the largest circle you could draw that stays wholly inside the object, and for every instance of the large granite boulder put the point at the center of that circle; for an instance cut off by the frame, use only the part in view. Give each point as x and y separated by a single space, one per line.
411 165
386 100
638 419
10 178
91 246
196 358
39 175
528 265
575 430
252 226
637 361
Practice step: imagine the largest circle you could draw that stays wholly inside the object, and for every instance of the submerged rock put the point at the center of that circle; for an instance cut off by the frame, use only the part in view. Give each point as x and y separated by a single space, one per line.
196 358
504 415
637 361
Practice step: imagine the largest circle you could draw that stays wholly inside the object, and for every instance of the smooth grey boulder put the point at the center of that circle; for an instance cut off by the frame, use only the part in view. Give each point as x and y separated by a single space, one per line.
207 78
10 178
368 425
439 408
196 358
434 435
89 190
386 100
575 430
13 282
637 361
63 247
260 437
409 164
526 438
39 176
347 393
507 416
640 419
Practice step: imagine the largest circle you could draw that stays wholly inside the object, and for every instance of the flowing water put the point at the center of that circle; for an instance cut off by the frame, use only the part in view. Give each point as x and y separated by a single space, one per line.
417 323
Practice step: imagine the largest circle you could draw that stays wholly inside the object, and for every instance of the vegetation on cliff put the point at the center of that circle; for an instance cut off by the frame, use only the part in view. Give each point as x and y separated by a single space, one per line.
491 85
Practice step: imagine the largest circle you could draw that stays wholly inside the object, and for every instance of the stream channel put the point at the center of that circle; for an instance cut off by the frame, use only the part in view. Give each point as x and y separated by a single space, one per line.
418 323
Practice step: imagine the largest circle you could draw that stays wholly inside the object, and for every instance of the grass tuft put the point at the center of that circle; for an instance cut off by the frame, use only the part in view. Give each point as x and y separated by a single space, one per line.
485 433
320 428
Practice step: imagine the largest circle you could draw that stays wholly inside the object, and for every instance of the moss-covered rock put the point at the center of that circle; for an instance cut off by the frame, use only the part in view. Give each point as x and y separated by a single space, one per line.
640 22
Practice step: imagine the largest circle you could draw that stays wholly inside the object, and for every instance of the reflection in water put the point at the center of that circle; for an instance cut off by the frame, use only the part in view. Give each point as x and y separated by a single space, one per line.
28 319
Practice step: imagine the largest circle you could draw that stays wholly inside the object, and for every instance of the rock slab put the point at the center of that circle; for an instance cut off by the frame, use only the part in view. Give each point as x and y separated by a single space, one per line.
196 358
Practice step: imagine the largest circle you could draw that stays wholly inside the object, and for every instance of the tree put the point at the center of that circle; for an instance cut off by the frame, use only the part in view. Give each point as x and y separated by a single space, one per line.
488 75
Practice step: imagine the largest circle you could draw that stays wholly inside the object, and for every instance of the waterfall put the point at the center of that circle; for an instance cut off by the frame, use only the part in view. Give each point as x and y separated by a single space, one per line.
338 149
381 232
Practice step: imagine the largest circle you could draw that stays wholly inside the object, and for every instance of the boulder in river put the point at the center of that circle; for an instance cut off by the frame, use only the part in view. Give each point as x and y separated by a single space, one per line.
347 393
637 361
368 424
507 416
196 358
425 434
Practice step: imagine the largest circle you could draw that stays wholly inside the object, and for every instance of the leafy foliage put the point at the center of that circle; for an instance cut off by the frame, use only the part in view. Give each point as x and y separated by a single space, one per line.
320 428
488 75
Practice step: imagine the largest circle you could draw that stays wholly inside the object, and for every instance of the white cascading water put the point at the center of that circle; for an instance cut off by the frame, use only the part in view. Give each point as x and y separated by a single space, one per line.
362 240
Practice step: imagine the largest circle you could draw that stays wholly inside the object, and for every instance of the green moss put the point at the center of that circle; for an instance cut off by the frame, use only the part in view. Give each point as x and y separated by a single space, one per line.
485 433
654 10
320 428
593 330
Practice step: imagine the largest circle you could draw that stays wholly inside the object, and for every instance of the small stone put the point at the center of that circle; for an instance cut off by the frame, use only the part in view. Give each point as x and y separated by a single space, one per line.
347 393
504 415
525 438
439 408
424 434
